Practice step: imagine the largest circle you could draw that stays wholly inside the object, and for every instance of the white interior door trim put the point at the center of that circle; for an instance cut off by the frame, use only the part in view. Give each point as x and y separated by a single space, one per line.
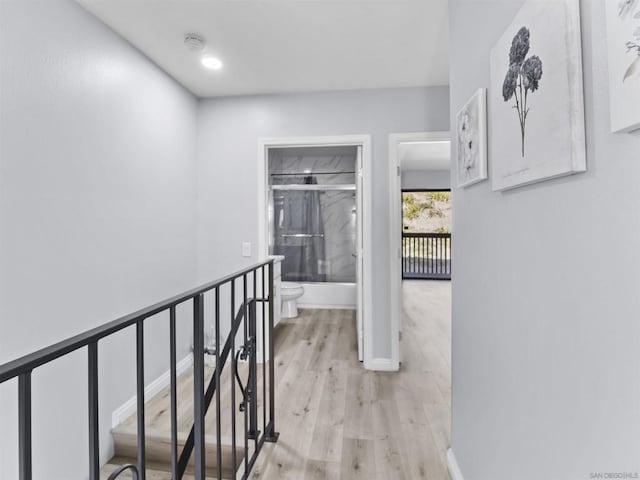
360 252
395 228
364 141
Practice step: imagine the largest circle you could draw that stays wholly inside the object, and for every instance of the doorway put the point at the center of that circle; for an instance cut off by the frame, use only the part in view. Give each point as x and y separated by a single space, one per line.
417 161
332 264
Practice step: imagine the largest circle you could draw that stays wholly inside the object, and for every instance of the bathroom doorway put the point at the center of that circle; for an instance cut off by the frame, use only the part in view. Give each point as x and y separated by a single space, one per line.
313 209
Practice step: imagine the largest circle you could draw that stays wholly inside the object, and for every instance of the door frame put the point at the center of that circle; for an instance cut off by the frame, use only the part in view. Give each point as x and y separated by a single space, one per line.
365 299
395 225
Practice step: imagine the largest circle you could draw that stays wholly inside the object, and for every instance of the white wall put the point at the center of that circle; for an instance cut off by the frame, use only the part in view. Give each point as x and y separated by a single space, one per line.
426 179
97 215
228 133
546 337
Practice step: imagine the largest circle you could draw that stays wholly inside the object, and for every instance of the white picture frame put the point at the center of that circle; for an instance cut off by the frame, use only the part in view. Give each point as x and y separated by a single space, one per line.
536 96
623 42
471 140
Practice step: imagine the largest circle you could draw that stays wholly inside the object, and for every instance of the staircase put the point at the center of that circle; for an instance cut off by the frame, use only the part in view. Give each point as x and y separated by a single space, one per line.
158 431
158 445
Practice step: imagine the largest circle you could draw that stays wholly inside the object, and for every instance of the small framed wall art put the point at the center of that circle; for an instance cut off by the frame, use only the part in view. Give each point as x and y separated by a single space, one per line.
471 140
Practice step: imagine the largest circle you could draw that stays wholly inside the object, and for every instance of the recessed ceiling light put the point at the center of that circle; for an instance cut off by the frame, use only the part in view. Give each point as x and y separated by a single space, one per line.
212 63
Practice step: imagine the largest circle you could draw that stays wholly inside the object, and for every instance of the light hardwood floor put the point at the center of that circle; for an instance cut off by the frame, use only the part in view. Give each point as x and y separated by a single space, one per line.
338 421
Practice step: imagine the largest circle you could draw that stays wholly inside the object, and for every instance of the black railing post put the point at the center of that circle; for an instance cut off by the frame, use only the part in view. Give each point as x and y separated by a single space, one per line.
24 426
244 302
449 255
264 354
423 253
271 435
246 398
198 385
254 372
142 461
432 250
174 392
234 367
217 382
252 386
94 428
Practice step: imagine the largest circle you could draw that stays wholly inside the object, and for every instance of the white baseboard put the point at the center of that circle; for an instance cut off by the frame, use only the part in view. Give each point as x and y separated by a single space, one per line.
128 408
381 365
454 469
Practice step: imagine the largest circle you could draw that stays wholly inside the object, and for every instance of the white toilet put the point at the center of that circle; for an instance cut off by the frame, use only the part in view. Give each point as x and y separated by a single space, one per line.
290 292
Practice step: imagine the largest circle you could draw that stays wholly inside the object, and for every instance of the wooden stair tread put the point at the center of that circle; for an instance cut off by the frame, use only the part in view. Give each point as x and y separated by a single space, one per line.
152 473
158 451
157 429
158 411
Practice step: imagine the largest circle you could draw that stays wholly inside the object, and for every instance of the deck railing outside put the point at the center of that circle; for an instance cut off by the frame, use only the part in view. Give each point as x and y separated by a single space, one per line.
426 256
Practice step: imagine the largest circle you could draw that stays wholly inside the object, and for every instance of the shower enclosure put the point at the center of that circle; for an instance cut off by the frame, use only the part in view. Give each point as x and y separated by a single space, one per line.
313 222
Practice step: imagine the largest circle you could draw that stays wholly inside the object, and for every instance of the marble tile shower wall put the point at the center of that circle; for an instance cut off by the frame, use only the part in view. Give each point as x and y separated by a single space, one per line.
339 216
338 207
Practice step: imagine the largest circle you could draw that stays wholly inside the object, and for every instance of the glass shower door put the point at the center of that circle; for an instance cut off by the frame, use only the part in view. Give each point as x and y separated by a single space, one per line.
314 228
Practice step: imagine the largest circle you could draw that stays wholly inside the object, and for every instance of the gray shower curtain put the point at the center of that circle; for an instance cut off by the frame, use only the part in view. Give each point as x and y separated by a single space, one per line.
299 232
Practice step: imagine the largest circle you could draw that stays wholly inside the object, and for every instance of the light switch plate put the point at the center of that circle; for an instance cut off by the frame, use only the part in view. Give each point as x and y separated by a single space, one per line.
246 249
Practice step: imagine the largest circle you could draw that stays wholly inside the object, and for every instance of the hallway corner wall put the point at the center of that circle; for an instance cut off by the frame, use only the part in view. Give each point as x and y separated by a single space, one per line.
546 337
97 217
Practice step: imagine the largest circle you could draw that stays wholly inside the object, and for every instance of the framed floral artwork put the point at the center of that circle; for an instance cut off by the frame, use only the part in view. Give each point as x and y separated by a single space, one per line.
537 104
623 38
471 140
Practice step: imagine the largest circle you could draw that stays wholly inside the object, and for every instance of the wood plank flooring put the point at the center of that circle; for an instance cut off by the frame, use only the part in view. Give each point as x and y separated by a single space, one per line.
338 421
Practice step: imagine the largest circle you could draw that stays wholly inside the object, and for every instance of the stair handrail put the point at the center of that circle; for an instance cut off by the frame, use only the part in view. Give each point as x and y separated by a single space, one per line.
29 362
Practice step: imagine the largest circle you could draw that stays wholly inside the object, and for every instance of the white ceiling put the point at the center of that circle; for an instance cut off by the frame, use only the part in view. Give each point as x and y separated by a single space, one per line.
425 155
274 46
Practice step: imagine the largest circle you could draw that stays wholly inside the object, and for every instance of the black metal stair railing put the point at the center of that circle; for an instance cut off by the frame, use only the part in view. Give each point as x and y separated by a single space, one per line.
248 405
244 323
426 256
